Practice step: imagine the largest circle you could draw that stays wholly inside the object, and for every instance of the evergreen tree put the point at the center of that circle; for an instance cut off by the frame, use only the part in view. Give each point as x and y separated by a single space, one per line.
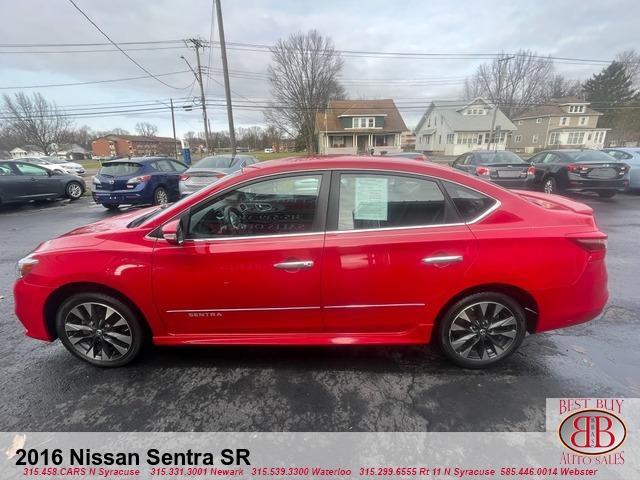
610 88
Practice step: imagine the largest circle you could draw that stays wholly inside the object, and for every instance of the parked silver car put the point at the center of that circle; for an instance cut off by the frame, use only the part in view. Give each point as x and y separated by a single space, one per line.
210 170
630 156
71 167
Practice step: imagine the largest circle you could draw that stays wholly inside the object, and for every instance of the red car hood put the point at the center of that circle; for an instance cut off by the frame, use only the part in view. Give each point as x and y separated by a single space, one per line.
89 235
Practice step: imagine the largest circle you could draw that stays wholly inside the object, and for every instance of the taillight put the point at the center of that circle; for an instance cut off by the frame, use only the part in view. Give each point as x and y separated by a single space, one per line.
139 179
184 177
484 171
573 168
596 247
531 171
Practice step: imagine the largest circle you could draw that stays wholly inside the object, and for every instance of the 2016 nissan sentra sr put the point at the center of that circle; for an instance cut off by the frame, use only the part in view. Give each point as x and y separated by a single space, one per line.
322 251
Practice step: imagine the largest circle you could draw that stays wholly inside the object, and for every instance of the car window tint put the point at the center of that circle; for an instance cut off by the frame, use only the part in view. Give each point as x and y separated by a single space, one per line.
178 167
589 156
28 169
120 168
469 203
163 166
378 201
268 207
5 169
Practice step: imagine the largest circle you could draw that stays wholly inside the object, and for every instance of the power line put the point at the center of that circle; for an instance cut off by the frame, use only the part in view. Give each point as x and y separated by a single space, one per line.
123 52
49 85
92 44
39 52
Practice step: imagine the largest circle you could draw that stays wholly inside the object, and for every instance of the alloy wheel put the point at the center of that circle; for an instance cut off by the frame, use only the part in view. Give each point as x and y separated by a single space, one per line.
161 196
74 190
98 331
548 186
483 330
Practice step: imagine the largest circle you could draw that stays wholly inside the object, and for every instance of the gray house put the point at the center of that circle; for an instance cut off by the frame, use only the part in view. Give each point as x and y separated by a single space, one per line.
454 127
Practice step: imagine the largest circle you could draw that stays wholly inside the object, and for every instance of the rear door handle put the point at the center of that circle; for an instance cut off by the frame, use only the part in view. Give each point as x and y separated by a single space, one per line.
442 260
294 265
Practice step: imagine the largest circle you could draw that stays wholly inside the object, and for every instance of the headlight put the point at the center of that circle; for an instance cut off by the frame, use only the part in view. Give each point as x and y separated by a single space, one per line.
25 265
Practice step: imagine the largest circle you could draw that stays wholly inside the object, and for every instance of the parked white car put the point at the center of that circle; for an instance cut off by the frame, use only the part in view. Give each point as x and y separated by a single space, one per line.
268 150
70 167
44 163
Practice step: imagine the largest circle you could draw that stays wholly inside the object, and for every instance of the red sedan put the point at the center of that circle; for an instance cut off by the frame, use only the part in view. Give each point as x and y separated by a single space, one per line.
322 251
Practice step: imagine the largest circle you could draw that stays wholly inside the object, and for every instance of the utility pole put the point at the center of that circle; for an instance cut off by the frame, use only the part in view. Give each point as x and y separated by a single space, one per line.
497 100
225 70
173 124
197 45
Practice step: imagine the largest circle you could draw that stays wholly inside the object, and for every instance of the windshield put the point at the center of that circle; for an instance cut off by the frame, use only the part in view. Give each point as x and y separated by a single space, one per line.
497 157
120 168
590 156
218 161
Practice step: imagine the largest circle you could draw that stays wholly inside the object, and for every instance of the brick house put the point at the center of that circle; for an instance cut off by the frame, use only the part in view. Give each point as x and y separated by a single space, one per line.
133 146
359 126
566 122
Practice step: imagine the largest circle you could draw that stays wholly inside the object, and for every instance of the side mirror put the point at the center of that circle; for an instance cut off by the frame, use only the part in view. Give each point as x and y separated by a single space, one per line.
173 232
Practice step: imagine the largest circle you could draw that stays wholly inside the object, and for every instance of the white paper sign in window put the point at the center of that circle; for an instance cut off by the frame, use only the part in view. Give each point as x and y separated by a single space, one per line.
371 198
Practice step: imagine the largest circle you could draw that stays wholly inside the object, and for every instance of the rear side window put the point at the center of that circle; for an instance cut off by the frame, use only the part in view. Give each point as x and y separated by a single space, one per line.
163 166
470 204
5 170
378 201
120 168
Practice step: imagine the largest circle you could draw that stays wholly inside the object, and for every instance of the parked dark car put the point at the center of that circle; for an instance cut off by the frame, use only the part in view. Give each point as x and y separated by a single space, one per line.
211 169
411 155
22 182
558 171
137 181
502 167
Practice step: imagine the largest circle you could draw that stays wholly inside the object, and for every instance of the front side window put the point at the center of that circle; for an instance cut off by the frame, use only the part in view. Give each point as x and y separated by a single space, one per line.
381 201
469 203
28 169
267 207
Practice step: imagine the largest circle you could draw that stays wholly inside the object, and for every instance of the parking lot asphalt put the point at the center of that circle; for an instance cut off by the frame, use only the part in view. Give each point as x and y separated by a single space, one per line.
313 389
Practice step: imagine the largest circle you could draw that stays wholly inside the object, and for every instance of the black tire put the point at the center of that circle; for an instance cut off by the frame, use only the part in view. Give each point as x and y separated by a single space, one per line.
118 337
73 191
160 196
111 206
550 185
606 193
496 346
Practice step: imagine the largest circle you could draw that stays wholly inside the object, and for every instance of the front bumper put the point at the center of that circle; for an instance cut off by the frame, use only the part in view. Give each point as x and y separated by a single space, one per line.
29 305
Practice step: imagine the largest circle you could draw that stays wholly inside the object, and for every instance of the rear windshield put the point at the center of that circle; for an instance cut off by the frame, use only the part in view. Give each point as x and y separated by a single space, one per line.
589 156
216 162
120 168
497 157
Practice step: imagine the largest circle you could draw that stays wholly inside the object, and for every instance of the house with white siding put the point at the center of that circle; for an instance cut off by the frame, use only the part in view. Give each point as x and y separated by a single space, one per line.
454 127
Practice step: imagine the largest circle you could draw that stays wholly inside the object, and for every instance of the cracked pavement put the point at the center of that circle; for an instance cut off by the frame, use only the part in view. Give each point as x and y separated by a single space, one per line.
313 389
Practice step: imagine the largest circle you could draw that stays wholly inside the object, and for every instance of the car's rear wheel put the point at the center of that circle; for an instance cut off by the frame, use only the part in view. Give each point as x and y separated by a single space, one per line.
160 196
550 185
99 329
482 329
606 193
110 206
73 190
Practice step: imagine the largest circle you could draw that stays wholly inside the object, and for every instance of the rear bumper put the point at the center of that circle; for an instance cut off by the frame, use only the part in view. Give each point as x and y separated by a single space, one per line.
29 303
189 189
122 197
511 182
575 304
583 185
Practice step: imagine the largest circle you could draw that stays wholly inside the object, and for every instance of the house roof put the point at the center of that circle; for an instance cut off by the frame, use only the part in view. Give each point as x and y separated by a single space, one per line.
386 107
451 111
555 109
569 99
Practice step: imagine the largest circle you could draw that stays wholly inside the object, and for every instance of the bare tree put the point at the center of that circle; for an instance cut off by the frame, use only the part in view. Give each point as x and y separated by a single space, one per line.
146 129
35 121
523 81
304 77
559 87
631 60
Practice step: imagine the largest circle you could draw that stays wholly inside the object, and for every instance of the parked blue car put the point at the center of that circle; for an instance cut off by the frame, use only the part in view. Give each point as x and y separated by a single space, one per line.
137 181
630 156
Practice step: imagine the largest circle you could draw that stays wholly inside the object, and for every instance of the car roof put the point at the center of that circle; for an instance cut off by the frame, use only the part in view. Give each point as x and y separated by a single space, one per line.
140 160
624 149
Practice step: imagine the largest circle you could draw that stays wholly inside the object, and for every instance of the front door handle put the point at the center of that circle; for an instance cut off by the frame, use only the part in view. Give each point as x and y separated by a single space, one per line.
442 260
294 265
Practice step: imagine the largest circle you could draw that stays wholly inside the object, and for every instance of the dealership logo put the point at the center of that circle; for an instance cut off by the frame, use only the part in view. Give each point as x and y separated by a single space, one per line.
592 432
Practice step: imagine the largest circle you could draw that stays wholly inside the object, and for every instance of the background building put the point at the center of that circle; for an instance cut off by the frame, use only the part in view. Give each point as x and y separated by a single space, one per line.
133 146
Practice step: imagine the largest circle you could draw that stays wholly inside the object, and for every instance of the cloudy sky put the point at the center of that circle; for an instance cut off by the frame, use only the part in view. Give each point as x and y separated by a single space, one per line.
561 28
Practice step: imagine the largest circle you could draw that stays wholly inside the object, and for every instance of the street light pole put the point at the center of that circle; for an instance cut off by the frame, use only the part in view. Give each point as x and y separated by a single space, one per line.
225 70
497 100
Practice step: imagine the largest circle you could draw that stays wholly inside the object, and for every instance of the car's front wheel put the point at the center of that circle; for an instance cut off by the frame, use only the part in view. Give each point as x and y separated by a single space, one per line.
482 329
74 190
99 329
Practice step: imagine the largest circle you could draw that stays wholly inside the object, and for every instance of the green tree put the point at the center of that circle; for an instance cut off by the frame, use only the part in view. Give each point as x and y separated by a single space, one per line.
610 88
